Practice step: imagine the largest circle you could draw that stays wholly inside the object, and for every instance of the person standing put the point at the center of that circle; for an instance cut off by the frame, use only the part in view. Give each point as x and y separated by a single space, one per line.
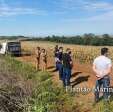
37 53
67 67
56 56
102 67
59 62
43 59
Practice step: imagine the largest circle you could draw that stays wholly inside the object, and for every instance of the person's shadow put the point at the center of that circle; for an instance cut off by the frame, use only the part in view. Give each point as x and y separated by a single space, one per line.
75 74
50 67
80 80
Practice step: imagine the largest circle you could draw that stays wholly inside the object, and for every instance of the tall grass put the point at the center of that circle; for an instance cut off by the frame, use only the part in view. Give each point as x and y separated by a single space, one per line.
26 90
103 106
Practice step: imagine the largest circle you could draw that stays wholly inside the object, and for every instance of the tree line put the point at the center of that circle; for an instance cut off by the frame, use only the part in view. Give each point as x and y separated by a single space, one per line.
12 37
86 39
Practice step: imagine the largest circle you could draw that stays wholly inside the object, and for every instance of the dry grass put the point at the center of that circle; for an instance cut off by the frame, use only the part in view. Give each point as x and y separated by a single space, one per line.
85 54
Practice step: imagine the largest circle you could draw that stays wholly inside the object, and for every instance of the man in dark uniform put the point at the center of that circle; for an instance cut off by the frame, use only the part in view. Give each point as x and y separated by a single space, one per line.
59 62
67 67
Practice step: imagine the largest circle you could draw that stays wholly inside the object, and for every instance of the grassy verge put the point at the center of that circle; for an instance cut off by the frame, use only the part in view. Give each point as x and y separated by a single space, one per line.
103 106
22 89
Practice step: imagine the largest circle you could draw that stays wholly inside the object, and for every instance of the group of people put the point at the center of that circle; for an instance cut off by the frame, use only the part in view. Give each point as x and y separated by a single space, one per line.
41 58
102 67
64 64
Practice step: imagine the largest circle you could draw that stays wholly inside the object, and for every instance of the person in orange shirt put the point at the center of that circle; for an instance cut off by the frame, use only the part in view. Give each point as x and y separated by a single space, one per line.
43 59
37 53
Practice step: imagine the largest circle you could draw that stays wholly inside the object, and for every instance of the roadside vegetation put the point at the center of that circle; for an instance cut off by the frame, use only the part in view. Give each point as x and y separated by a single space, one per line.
22 89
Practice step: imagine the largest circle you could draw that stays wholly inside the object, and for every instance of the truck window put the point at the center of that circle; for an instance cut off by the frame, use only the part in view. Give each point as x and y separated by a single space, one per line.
0 46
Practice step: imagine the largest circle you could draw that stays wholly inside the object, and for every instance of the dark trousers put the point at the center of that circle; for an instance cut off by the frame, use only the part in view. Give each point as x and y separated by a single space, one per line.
105 82
56 66
66 76
60 69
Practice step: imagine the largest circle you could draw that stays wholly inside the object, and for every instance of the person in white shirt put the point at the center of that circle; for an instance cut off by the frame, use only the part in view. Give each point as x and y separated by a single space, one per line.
102 67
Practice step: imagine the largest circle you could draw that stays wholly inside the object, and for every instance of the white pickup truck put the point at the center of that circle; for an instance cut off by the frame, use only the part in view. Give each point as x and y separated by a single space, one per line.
13 48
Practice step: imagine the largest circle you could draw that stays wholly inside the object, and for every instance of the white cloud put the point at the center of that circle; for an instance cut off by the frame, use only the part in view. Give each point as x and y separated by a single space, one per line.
108 16
68 4
102 6
97 11
105 17
85 5
6 10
